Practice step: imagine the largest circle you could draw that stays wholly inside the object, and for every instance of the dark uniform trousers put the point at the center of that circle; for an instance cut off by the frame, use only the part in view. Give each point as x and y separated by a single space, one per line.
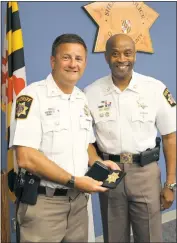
55 219
135 202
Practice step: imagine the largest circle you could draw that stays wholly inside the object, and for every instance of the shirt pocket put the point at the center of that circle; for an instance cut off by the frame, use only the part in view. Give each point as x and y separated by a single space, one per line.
85 130
143 124
143 117
55 135
107 116
106 125
86 123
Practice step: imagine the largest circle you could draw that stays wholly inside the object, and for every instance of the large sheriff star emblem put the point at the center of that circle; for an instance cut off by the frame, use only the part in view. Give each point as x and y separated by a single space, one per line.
131 18
21 109
113 177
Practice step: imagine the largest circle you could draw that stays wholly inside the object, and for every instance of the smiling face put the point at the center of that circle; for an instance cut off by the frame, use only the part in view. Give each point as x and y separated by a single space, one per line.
68 64
120 55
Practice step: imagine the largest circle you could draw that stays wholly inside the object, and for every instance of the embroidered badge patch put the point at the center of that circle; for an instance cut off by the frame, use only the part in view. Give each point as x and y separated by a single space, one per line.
23 105
169 97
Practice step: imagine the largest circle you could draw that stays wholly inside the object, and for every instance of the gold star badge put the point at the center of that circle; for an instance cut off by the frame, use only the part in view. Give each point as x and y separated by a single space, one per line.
113 177
23 105
21 109
131 18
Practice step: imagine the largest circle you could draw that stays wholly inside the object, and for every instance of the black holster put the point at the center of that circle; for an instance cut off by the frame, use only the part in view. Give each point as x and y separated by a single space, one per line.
150 155
26 187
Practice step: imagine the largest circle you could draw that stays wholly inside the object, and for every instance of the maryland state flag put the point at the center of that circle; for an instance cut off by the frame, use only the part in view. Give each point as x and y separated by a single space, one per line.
13 71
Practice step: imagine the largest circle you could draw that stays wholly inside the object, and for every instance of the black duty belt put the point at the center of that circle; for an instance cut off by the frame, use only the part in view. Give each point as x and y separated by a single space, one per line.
56 192
144 158
124 158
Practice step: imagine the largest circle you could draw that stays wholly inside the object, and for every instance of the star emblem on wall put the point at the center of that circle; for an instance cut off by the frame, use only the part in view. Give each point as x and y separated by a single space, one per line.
132 18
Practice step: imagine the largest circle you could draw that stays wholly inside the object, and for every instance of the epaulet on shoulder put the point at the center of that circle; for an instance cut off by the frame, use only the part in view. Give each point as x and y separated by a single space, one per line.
149 79
157 82
97 83
31 88
25 90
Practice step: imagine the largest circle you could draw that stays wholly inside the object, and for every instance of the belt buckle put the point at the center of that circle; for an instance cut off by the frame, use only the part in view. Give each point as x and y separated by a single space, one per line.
126 158
49 191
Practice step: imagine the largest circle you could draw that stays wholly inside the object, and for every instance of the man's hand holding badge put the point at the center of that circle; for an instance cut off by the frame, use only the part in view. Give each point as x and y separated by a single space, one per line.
106 171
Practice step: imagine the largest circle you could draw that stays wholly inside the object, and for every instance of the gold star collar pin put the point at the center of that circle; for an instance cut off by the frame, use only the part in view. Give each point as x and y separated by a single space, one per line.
113 177
131 18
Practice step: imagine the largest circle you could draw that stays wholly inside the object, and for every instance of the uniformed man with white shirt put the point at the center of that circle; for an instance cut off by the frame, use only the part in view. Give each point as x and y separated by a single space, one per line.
51 129
127 109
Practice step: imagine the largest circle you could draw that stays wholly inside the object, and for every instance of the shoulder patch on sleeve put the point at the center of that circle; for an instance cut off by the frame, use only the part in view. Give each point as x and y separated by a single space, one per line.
169 97
23 105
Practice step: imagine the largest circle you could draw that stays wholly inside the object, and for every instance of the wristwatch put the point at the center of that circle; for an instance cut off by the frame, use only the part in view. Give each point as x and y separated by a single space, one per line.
171 186
71 182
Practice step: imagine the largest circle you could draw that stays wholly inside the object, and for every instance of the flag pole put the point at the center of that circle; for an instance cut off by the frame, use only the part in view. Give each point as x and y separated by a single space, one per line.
13 80
5 223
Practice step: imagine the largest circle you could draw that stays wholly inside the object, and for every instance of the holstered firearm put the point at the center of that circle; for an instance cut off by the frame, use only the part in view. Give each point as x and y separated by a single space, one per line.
30 189
24 185
151 155
19 183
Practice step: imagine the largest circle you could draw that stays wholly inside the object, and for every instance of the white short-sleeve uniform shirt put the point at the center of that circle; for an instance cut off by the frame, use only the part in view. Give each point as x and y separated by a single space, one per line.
128 121
57 124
